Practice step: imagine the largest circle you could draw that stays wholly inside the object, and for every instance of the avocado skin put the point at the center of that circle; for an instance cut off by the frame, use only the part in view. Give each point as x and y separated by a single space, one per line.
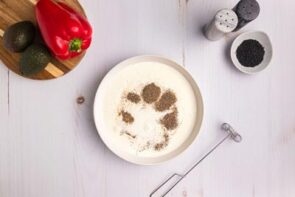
19 36
34 59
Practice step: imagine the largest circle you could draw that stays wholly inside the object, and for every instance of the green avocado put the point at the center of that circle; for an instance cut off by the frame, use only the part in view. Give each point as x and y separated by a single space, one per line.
34 59
19 36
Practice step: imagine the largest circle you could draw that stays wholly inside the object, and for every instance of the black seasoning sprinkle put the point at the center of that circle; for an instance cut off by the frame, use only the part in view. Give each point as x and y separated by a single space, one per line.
250 53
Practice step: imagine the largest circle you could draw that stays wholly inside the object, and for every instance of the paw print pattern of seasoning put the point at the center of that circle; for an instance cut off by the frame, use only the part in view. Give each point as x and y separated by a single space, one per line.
126 117
133 97
166 101
162 103
151 93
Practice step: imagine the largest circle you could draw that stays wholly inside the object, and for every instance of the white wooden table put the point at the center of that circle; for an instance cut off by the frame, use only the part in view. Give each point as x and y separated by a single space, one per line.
49 146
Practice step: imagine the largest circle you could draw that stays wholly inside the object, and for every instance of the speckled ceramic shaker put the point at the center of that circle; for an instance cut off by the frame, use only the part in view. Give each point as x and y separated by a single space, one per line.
247 11
225 21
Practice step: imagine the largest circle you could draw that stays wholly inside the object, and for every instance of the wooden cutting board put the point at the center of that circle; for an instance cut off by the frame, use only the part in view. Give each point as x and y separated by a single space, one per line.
12 11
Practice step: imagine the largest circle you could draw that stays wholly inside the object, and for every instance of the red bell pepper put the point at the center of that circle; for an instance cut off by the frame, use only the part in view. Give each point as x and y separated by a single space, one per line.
66 33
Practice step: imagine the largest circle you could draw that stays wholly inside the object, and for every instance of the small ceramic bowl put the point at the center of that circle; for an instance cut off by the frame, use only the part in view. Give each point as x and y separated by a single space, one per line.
264 40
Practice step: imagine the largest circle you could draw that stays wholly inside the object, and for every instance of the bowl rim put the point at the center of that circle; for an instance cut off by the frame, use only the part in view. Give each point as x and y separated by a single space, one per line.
195 131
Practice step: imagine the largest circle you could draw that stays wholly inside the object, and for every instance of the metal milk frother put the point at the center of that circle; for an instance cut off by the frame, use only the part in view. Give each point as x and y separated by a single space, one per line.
231 134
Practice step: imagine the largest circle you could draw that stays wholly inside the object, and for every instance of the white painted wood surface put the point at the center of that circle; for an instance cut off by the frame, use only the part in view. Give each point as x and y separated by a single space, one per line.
49 146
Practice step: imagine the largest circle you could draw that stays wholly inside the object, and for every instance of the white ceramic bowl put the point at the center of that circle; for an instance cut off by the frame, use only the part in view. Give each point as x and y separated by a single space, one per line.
105 135
264 40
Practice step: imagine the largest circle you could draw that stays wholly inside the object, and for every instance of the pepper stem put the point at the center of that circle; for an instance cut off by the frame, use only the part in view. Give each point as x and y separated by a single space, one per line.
75 45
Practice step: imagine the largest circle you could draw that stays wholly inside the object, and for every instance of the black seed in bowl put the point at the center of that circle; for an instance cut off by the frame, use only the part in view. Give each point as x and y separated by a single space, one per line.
250 53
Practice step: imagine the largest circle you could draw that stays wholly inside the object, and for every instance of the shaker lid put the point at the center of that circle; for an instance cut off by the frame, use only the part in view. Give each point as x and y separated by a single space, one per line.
226 20
248 9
